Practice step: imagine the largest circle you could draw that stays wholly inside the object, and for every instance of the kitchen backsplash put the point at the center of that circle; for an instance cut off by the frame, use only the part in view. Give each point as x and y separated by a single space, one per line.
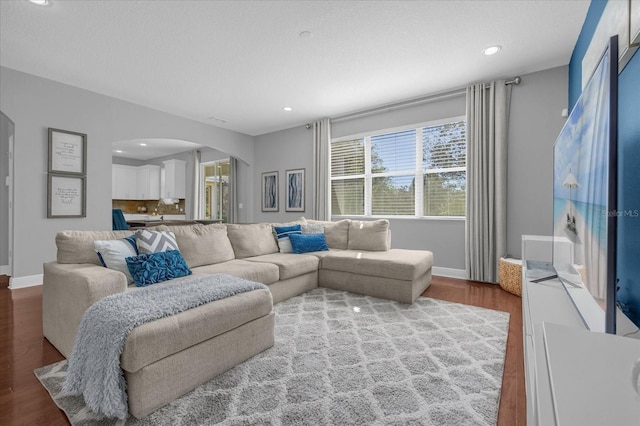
148 207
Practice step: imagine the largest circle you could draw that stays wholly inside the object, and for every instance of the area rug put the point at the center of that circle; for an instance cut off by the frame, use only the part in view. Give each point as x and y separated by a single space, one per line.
342 358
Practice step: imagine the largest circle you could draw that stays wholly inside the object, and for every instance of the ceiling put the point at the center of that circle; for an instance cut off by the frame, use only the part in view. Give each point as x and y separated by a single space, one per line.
243 61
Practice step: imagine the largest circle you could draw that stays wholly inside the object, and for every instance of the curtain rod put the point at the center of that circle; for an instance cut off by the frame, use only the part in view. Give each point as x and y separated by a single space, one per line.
404 104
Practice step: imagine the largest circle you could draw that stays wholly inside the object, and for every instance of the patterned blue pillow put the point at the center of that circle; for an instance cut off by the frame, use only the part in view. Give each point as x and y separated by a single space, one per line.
282 234
305 243
153 268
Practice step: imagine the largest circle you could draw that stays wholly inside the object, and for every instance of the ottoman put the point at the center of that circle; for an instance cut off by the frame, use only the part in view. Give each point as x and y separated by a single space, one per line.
396 274
164 359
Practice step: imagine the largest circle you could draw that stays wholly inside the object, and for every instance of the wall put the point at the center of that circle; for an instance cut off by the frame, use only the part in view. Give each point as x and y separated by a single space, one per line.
127 161
536 107
628 237
535 122
281 151
35 104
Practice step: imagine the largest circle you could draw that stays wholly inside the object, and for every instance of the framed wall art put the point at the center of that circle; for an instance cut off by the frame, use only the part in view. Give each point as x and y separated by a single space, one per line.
295 190
270 192
67 152
66 196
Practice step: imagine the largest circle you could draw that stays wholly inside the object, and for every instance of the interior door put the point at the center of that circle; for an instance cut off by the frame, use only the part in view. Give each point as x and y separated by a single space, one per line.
216 190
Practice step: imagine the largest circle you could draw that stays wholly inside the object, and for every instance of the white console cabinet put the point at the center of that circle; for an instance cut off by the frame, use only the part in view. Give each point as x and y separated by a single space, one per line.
572 376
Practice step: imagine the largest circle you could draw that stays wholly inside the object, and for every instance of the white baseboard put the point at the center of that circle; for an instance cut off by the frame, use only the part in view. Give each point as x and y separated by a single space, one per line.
26 281
449 272
4 270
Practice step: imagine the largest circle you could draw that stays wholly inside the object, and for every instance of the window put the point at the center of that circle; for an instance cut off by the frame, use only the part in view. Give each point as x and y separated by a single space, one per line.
419 171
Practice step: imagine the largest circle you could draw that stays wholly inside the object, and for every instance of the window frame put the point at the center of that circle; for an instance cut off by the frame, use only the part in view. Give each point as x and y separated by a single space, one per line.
418 172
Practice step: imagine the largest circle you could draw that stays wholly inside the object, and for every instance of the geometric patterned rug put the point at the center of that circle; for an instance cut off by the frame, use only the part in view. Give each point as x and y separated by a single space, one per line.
342 358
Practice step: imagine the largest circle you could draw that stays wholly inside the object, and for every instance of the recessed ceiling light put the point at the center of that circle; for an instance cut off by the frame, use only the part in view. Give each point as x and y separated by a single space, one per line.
143 144
492 50
40 2
287 108
119 151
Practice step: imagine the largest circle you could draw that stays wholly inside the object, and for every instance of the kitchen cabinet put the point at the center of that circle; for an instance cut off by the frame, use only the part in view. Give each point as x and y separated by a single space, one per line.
148 182
124 181
173 180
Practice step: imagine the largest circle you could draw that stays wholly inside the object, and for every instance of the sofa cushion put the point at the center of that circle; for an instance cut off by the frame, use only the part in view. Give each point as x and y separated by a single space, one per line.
113 254
336 233
395 263
265 273
369 235
290 265
322 254
191 327
202 244
77 246
153 268
155 241
306 243
312 228
252 240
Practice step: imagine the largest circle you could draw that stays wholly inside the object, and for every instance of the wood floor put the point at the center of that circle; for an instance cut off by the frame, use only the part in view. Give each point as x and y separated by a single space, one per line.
23 401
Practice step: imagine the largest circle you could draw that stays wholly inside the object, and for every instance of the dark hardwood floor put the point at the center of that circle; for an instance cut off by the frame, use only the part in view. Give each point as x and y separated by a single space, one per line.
23 401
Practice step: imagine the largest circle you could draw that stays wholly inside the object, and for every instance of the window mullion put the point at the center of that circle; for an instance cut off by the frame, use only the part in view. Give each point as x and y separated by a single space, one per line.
419 180
368 187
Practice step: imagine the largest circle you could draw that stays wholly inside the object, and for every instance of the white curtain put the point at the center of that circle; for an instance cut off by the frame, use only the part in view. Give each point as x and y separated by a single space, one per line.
195 193
321 146
486 226
232 214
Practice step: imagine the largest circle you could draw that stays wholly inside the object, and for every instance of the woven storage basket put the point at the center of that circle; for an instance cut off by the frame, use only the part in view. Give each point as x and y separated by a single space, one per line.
510 275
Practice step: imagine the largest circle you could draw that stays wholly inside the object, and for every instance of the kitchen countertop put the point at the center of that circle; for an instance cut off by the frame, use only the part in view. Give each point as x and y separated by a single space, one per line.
155 222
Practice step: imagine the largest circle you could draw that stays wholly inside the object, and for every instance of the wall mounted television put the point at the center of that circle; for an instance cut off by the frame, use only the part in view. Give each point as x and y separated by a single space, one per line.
585 197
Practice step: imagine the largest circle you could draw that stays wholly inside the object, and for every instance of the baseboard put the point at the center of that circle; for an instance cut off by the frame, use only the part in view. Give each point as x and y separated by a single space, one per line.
5 270
26 281
449 272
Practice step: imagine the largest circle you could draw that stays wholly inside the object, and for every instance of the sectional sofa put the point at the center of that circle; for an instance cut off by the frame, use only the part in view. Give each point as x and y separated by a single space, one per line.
198 344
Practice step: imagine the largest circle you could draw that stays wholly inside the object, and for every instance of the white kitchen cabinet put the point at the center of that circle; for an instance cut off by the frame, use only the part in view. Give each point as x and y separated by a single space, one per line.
174 181
124 182
148 182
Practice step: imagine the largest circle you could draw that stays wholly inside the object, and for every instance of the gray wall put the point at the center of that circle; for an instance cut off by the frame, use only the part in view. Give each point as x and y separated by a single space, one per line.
281 151
35 104
127 161
535 122
6 128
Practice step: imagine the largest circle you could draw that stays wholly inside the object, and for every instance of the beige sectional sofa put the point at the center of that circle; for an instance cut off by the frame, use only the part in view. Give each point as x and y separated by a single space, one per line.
359 260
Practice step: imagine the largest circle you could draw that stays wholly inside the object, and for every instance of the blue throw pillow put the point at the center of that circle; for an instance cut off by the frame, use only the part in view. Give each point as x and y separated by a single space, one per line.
305 243
153 268
282 234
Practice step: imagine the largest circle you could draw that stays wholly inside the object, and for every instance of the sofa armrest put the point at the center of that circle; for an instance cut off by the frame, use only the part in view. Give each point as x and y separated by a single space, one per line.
67 291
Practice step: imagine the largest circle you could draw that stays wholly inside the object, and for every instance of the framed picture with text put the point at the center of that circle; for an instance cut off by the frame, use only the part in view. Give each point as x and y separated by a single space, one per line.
270 192
67 152
295 190
66 196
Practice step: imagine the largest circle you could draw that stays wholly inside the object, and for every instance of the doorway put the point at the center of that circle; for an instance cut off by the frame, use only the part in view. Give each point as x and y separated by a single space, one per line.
7 131
215 190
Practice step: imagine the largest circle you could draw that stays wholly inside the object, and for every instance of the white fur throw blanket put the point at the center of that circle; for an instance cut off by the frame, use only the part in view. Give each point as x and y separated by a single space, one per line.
94 367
